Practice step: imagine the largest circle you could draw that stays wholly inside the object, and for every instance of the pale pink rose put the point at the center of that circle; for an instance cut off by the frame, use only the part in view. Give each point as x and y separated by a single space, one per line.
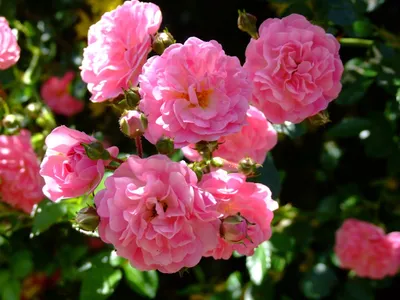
295 67
133 123
394 239
118 46
66 169
56 95
254 140
252 200
194 92
364 248
155 216
20 182
9 49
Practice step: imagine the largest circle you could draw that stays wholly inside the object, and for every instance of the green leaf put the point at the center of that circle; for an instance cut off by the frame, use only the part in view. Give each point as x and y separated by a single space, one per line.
319 282
259 263
99 282
4 278
354 88
21 264
234 285
290 129
143 283
349 127
49 213
269 176
12 290
357 290
362 28
328 209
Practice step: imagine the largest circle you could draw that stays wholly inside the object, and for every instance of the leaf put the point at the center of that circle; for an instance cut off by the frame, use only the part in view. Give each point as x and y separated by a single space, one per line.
349 127
319 282
290 129
99 282
11 291
269 176
357 290
259 263
328 209
21 264
234 285
49 213
143 283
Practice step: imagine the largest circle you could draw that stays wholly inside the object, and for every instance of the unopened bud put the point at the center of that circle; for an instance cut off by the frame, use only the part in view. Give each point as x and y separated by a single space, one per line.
87 219
206 148
162 41
32 110
320 119
132 98
248 23
12 123
46 119
133 123
165 146
234 229
247 166
96 151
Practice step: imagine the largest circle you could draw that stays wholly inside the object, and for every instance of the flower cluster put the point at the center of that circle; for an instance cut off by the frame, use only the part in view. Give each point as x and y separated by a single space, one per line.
366 249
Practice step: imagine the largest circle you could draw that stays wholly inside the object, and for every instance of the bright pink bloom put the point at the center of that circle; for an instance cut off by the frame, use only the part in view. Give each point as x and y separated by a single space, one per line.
254 140
155 216
295 67
66 169
253 202
194 92
364 248
56 95
9 49
118 46
20 182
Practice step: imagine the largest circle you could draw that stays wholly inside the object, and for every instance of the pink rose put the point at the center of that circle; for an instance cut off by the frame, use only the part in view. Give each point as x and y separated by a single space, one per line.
155 216
364 248
20 182
66 169
295 67
118 46
194 92
56 95
236 196
9 49
254 140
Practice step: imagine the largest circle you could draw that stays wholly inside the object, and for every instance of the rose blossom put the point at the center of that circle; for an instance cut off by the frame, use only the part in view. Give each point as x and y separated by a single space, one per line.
253 202
254 140
155 216
295 67
118 46
20 182
66 169
194 92
56 95
364 248
9 49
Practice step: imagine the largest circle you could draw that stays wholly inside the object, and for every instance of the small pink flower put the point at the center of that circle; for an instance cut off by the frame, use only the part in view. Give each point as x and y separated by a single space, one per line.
56 95
9 49
364 248
118 46
154 215
295 67
253 202
254 140
66 169
20 182
194 92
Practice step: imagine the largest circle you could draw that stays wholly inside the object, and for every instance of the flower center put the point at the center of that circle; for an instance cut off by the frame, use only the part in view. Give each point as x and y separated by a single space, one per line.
203 98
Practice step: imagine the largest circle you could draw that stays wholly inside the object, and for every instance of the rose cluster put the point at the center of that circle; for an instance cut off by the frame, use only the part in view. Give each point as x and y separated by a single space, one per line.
158 213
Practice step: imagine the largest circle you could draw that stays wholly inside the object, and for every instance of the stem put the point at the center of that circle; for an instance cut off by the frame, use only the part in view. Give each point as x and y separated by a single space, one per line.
139 147
116 159
5 106
356 42
111 168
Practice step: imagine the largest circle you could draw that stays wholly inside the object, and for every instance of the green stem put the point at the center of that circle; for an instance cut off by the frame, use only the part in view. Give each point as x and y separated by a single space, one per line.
5 106
356 42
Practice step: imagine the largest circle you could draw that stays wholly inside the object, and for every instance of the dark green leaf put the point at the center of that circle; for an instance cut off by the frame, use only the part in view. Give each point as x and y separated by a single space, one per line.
269 175
99 282
48 214
143 283
11 290
319 282
349 127
21 264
